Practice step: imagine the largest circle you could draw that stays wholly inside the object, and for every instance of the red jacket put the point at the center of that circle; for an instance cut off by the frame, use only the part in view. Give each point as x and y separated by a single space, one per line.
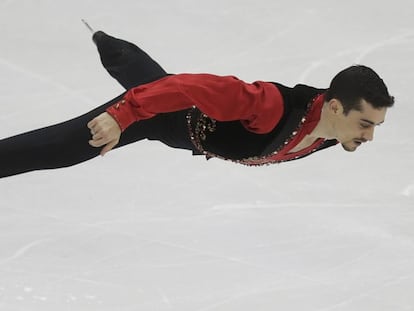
259 106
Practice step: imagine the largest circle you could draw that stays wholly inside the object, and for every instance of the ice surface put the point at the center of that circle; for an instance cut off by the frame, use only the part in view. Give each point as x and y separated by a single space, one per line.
151 228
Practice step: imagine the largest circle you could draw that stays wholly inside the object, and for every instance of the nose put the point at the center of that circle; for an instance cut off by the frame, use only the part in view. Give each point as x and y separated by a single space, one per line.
369 134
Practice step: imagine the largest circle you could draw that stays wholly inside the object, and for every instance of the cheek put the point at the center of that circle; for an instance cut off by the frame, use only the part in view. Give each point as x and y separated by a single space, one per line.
343 128
348 130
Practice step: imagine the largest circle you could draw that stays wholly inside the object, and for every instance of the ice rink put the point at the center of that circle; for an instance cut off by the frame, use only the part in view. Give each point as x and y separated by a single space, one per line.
152 228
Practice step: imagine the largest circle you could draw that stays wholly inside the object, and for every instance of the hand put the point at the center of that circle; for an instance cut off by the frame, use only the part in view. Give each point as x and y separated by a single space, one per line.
105 131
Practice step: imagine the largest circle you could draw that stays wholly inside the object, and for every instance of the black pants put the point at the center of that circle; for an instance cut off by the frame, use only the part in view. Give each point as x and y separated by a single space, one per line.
66 143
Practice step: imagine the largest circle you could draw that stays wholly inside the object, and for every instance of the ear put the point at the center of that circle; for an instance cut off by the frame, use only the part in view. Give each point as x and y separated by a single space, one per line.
335 106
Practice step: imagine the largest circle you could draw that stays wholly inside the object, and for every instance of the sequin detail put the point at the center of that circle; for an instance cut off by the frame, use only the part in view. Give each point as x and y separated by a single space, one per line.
204 125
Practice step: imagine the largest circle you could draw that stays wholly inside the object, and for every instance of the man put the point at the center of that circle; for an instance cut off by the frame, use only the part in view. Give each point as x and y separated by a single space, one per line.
249 123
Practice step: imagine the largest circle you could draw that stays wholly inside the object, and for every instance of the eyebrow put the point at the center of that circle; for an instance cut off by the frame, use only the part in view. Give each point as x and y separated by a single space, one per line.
371 122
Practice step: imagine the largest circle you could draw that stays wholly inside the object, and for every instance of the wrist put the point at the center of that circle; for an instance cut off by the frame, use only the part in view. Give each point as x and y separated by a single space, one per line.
123 114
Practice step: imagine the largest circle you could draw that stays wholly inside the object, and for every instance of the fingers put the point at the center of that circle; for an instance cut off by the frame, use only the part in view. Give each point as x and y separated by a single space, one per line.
100 139
109 144
105 132
108 147
94 126
98 142
91 124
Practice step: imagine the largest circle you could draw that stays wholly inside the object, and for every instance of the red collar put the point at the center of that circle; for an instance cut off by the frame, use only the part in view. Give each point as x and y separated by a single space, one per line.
308 124
314 115
312 119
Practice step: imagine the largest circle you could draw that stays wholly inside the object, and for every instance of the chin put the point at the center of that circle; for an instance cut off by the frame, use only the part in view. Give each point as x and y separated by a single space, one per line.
351 146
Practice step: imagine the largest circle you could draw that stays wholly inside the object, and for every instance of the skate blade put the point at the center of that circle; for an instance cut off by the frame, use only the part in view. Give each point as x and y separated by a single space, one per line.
87 25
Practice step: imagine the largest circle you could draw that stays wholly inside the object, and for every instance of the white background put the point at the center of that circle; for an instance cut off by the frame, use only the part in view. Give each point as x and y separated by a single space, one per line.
152 228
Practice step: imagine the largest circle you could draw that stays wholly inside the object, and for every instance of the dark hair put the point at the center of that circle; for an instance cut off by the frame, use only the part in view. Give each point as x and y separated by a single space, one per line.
358 82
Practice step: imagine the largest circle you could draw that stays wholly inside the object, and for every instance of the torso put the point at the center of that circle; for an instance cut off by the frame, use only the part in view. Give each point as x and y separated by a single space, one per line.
228 140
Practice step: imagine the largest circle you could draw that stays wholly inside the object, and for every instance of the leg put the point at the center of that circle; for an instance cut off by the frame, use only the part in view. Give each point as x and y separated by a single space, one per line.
66 144
126 62
55 146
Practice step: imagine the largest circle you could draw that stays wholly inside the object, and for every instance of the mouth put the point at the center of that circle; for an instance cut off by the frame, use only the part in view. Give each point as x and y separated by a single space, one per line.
357 142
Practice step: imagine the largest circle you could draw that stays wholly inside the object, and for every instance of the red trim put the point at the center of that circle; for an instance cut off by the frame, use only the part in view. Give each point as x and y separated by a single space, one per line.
312 119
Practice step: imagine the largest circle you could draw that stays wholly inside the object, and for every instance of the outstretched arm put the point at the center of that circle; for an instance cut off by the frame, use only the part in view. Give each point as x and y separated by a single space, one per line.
258 105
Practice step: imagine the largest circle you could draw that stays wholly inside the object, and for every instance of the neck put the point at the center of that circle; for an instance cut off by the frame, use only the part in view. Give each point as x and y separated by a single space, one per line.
324 128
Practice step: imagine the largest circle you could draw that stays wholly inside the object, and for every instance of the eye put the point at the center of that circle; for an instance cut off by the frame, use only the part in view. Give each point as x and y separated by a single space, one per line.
364 125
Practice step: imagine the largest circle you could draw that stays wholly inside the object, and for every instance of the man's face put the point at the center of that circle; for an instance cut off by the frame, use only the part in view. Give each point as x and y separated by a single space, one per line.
358 127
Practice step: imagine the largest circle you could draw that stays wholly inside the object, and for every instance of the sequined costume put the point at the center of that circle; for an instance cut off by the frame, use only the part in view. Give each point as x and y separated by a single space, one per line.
249 123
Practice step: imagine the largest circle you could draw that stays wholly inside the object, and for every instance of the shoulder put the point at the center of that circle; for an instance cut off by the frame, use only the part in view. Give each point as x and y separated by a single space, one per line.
308 88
